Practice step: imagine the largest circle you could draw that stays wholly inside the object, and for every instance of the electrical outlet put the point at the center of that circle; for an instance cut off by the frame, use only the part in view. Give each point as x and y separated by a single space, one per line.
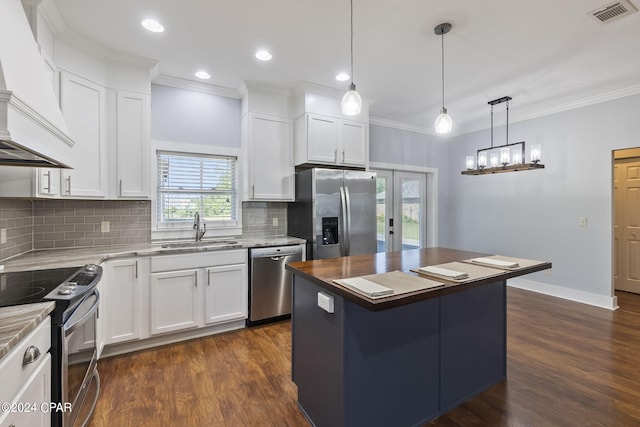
3 236
105 227
275 222
582 221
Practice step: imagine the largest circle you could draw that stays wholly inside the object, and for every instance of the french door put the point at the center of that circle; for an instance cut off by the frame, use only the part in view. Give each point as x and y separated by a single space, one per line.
401 210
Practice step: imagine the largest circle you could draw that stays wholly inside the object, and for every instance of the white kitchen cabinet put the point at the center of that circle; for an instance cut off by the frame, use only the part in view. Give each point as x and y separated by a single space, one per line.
47 182
132 144
83 104
199 289
123 309
328 140
226 293
269 146
27 383
175 301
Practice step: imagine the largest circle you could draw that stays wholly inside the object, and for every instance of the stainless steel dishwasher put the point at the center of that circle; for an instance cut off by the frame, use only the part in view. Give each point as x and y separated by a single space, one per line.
270 283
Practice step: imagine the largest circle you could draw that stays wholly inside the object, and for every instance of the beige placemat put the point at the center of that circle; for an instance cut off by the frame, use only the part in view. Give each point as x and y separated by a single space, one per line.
475 272
522 262
399 282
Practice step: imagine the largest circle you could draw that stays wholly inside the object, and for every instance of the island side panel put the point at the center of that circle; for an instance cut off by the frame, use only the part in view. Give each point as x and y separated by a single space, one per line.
473 342
391 366
317 362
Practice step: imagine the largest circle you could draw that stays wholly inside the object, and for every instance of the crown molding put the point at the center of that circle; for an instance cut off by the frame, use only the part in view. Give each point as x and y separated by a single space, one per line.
400 125
179 83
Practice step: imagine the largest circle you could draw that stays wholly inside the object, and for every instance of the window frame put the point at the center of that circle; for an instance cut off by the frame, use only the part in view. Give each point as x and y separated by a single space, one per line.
184 229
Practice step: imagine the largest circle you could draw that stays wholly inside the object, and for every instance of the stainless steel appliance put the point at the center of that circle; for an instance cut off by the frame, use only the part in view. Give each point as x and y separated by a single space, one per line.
75 382
335 211
270 283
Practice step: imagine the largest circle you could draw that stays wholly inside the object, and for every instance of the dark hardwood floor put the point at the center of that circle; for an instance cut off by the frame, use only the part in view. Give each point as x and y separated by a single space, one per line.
569 364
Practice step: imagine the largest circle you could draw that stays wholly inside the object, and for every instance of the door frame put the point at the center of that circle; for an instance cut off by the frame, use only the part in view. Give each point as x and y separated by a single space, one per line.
432 195
619 154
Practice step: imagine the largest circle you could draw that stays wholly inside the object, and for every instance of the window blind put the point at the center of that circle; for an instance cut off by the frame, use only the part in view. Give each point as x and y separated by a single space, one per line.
189 183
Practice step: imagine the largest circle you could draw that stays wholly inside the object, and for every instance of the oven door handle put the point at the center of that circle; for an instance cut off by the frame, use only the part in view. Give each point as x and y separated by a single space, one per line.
68 328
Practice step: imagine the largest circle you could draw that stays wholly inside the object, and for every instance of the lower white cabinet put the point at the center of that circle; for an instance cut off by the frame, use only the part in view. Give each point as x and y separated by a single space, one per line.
146 299
26 386
196 290
174 301
123 310
226 293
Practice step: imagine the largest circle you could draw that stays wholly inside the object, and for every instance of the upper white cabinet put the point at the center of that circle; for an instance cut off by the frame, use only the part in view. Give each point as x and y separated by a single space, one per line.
270 151
329 140
323 135
132 144
83 105
267 144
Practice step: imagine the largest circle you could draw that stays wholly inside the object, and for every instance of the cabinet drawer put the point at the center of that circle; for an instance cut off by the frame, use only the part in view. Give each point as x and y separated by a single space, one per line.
13 375
198 260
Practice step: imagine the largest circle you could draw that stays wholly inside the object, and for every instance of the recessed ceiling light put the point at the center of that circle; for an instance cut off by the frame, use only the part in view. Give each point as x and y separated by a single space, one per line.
343 77
203 75
263 55
152 25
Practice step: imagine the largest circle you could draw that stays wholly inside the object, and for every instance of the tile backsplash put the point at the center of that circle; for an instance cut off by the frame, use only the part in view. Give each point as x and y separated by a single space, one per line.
79 223
258 219
53 224
16 219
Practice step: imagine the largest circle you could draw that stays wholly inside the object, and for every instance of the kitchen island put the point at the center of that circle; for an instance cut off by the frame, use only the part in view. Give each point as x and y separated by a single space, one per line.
399 360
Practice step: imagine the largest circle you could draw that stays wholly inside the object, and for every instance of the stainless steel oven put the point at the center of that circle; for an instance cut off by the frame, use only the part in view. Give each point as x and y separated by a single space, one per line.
79 377
75 383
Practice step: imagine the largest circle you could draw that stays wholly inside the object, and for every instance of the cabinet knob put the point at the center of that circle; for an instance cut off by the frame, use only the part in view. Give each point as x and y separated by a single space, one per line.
31 354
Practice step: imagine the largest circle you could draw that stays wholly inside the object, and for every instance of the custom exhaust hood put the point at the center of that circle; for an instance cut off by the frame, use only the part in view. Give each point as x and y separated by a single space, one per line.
32 129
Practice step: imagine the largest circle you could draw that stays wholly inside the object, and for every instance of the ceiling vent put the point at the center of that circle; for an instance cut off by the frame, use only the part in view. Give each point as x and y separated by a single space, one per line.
612 12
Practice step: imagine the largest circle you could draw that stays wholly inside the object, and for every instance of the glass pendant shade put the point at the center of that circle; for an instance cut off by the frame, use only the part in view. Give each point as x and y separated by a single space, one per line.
443 124
351 102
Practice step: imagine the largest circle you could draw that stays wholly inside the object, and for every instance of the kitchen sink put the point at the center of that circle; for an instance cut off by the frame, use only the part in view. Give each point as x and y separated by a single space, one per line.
200 244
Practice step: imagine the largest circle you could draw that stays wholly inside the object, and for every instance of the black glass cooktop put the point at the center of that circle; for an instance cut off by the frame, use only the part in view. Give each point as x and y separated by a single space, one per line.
26 287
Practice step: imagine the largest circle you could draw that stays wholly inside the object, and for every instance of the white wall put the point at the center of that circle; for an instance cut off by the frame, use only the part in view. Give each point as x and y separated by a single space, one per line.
534 214
194 117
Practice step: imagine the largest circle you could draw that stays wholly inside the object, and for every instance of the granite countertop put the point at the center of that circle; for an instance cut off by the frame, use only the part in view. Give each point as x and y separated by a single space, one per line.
55 258
18 321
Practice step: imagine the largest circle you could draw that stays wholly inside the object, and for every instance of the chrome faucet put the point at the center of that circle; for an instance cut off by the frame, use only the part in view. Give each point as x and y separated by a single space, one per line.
196 226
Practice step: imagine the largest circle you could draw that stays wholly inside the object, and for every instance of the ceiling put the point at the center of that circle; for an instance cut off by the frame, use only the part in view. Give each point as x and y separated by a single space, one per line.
548 55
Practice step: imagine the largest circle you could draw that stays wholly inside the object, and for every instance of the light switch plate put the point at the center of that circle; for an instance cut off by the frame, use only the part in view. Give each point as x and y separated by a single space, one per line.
582 221
325 302
275 222
105 227
3 236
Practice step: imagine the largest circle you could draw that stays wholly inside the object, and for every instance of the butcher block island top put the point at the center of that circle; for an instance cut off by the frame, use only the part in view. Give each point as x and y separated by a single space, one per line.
323 272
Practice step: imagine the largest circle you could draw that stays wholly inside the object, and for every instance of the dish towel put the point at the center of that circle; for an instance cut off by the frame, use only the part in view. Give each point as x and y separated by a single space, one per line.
443 272
366 287
496 262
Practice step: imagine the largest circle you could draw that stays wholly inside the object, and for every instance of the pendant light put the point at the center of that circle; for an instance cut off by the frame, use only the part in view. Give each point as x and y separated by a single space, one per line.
351 101
443 122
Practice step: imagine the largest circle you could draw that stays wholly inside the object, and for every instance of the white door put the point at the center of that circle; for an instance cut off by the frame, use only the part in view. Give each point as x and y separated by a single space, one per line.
627 225
226 293
401 210
174 302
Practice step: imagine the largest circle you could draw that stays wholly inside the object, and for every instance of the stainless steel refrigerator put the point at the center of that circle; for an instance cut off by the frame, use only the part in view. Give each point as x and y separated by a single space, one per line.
335 211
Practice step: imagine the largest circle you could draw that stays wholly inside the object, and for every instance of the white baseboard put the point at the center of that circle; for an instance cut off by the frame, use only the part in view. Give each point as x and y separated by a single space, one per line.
610 303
